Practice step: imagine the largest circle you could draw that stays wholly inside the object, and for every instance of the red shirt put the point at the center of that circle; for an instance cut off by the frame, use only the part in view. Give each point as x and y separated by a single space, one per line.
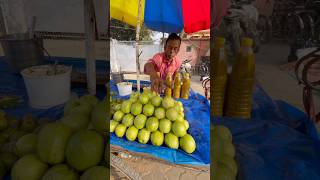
163 65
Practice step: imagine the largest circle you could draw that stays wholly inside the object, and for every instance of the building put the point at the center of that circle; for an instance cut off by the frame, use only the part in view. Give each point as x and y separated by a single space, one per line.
195 46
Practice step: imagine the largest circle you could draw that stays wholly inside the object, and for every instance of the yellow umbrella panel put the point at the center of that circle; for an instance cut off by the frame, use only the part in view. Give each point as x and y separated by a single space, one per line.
126 11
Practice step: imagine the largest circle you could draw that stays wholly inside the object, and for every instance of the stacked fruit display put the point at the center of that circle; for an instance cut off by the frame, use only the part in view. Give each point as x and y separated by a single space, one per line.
223 152
148 116
71 148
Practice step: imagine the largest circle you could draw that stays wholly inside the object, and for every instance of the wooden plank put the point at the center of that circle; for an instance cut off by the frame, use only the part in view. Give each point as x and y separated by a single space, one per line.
89 22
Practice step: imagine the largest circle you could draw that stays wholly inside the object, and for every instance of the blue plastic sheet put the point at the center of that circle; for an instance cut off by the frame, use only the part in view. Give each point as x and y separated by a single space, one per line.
164 16
197 112
279 142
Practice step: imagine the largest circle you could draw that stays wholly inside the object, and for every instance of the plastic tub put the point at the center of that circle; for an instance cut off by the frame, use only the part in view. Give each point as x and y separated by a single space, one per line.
45 88
124 88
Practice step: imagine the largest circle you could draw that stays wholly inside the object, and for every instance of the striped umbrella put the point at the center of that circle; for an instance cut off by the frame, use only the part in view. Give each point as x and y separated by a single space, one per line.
169 16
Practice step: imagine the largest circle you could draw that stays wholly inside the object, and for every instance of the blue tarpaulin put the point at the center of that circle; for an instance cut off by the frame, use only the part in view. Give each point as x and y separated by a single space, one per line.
279 142
197 112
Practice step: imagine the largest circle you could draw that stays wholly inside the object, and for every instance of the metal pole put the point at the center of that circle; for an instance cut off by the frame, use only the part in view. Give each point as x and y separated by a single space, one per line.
89 21
137 45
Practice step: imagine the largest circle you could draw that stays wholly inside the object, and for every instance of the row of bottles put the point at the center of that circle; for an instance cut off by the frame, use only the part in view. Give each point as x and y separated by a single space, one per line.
179 88
232 94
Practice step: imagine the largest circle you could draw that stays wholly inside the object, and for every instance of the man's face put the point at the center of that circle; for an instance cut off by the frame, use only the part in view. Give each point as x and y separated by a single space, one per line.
172 48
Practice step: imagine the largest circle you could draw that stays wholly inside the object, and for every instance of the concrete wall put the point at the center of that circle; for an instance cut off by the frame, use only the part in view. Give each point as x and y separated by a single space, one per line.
52 16
71 48
123 54
198 48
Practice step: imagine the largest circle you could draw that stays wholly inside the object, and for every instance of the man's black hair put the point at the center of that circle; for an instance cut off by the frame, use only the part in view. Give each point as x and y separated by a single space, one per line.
173 36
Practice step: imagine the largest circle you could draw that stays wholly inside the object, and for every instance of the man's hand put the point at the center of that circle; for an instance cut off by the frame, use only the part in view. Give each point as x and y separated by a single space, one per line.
156 83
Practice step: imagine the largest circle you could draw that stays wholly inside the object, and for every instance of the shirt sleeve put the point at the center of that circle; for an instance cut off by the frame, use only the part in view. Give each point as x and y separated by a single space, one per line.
156 61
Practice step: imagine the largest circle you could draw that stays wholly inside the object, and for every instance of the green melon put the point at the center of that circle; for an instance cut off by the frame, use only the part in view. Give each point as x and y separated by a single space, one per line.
26 145
61 171
17 135
8 159
89 99
96 173
3 170
28 123
72 103
99 117
76 121
52 141
29 167
84 150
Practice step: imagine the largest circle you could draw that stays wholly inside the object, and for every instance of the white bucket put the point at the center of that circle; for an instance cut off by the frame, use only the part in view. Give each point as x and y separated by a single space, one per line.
46 89
124 88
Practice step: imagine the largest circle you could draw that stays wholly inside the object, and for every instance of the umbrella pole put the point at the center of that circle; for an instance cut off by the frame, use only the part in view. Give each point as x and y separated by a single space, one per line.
137 45
89 43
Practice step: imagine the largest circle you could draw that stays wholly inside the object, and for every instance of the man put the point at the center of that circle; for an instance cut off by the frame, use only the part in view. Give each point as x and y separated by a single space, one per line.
165 63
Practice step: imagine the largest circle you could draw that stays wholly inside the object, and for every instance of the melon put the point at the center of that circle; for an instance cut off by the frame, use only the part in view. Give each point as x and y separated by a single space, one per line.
72 103
76 121
26 145
3 122
3 170
84 150
29 167
61 171
84 109
89 99
28 123
13 122
99 117
96 173
17 135
52 141
8 159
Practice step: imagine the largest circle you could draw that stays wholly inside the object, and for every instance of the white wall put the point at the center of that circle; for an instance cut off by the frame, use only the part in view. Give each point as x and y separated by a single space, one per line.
123 55
51 15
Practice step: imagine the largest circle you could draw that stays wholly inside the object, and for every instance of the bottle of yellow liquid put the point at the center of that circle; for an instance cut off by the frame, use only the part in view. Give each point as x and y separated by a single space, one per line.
168 85
220 74
185 86
177 86
241 82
